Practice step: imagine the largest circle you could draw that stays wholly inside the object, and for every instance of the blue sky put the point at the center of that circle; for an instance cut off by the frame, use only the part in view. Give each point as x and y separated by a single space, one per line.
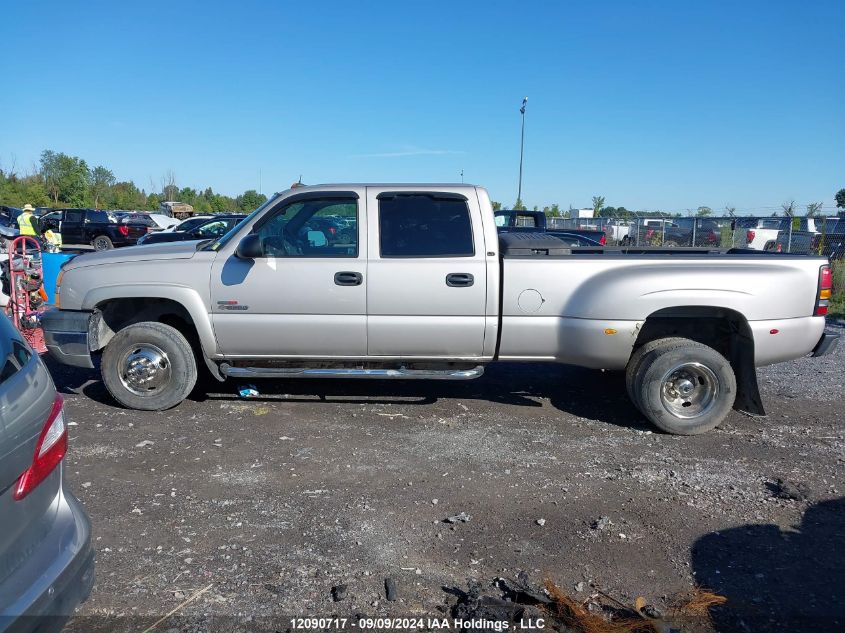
654 105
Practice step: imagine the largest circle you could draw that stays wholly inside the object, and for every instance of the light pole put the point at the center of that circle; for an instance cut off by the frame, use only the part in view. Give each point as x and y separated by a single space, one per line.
521 147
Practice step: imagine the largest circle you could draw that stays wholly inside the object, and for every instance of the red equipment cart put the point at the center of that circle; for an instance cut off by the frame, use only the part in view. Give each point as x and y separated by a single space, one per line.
26 292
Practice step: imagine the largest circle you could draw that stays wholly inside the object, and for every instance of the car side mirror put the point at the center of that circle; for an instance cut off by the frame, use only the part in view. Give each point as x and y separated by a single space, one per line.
250 247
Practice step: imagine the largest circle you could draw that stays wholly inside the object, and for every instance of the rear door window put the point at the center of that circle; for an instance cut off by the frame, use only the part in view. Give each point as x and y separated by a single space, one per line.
98 217
424 226
14 361
74 217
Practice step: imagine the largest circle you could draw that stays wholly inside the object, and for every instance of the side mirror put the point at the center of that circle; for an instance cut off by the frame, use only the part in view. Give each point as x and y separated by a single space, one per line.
250 247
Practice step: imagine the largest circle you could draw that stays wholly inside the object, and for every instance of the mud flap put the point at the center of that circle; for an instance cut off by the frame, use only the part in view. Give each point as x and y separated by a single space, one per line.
748 399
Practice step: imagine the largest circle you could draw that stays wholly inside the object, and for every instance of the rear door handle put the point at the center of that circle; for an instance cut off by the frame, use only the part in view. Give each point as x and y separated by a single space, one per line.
459 280
348 278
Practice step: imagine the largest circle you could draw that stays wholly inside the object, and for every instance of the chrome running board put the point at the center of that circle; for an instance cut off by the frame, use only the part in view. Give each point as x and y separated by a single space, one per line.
344 372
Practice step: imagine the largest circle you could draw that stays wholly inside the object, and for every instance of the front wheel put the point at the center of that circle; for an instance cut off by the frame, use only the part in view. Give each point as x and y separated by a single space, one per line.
102 243
684 387
149 366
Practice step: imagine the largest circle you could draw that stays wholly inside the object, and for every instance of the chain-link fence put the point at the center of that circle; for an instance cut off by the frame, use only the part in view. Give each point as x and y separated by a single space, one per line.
808 235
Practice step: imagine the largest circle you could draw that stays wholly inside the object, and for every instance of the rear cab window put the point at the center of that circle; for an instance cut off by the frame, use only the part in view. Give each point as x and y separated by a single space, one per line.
424 225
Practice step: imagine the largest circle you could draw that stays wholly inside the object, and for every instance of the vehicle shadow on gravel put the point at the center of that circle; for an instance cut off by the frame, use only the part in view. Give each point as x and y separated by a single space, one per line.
583 393
579 392
778 580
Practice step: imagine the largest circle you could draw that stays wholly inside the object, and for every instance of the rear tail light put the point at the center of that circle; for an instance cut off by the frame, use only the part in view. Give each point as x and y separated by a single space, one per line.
123 230
825 290
49 451
749 236
603 239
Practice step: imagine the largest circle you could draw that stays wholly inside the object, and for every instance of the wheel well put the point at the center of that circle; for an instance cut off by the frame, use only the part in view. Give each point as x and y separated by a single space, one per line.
112 316
727 331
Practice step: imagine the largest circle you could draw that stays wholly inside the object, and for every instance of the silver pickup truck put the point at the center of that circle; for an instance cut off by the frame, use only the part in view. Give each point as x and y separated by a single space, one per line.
413 281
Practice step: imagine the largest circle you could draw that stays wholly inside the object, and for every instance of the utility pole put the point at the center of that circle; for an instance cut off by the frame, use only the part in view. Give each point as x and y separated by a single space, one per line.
521 147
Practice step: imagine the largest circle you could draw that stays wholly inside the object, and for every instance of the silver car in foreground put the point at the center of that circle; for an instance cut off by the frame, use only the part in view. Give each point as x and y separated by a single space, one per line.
46 559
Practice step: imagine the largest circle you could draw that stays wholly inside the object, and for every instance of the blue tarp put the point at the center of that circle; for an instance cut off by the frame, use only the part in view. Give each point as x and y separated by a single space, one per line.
50 265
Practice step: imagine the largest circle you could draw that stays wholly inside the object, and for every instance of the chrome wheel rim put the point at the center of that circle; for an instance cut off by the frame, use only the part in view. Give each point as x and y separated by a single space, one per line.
689 390
144 369
101 245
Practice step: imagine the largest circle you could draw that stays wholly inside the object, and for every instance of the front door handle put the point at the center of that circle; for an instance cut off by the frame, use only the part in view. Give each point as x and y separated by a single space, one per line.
348 278
459 280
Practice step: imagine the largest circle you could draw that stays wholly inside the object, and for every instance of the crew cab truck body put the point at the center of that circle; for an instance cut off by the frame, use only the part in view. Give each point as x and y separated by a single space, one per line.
422 286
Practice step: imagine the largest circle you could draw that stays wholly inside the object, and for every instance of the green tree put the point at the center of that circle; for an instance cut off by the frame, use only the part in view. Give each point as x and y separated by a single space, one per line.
496 205
555 210
17 191
840 199
519 205
703 212
598 205
100 181
66 178
125 195
730 211
250 200
153 201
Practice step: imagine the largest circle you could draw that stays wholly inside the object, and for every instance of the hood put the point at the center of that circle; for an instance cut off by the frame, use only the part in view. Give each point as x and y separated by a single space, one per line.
170 250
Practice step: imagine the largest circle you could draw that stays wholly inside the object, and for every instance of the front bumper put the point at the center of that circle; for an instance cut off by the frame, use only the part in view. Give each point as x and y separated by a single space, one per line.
827 343
66 336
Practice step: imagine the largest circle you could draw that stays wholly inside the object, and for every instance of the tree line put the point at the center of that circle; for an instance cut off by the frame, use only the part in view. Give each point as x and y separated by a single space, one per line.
61 180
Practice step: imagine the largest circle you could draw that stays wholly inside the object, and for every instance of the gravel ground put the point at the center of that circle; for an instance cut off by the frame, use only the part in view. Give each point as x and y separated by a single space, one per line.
267 504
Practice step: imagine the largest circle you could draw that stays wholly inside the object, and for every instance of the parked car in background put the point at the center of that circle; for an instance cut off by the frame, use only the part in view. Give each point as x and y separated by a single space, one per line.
178 210
762 234
153 221
101 229
46 558
833 245
618 231
212 228
9 216
191 223
511 221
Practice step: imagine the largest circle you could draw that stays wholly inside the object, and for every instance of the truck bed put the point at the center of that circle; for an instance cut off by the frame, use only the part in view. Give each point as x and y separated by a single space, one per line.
546 244
585 306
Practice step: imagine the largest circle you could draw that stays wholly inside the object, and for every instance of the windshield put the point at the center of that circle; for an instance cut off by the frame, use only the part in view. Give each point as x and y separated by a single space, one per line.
220 242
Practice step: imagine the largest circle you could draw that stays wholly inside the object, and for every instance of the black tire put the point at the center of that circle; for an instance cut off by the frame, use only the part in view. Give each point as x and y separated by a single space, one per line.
102 243
637 359
131 349
667 369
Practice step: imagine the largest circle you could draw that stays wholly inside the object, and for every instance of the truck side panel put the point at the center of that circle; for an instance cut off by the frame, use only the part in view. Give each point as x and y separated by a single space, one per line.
587 310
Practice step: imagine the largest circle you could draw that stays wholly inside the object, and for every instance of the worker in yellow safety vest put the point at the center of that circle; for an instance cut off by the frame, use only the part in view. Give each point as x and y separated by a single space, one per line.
27 221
